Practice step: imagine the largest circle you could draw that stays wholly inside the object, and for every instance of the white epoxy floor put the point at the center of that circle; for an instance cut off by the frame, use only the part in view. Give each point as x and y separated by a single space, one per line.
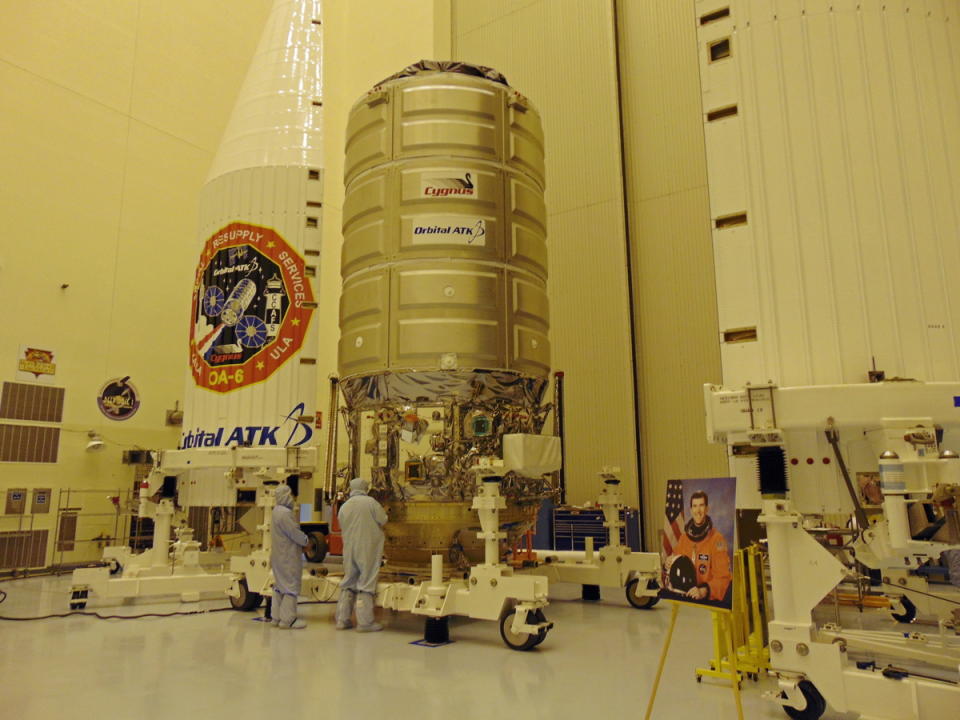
599 661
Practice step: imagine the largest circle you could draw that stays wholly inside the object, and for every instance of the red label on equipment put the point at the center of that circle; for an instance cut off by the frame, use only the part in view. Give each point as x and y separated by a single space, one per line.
251 307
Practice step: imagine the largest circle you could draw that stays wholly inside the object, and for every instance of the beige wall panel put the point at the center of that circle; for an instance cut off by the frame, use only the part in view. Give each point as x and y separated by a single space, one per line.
60 152
591 345
674 292
103 151
664 130
58 179
469 16
161 178
58 47
560 54
186 80
679 343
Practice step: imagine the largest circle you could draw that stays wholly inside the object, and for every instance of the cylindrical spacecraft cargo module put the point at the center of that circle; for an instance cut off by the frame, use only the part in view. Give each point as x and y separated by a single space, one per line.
252 376
444 314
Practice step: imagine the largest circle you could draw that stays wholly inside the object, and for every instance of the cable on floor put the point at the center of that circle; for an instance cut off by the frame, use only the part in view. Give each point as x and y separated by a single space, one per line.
114 617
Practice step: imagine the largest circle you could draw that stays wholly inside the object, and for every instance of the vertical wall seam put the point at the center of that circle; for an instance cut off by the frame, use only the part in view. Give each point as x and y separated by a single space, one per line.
941 111
848 176
123 194
628 250
904 192
878 188
790 172
770 350
825 237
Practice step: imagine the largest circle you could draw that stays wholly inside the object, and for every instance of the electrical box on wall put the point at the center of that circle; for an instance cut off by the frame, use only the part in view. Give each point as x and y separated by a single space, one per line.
16 501
41 500
136 457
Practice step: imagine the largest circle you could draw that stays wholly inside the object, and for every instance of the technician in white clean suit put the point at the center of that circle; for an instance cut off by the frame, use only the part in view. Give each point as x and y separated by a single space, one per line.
361 520
286 558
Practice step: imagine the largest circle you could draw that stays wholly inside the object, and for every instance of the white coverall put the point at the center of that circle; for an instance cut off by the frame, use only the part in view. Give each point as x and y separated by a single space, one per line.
286 559
361 520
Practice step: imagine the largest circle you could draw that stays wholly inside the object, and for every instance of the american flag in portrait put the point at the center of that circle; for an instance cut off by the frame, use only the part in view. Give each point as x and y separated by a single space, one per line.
673 527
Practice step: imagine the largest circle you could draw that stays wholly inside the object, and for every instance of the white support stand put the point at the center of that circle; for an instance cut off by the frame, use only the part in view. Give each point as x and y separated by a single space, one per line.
614 565
164 569
491 592
802 572
812 665
252 573
175 569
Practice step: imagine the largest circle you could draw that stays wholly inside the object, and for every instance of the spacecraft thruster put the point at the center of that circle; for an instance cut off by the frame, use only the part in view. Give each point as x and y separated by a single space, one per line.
444 319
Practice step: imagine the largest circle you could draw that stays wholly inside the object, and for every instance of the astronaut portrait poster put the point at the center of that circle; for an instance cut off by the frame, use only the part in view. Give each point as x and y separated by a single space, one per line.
697 542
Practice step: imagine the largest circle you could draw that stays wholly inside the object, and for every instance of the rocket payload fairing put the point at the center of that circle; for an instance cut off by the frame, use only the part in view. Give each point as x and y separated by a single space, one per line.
252 376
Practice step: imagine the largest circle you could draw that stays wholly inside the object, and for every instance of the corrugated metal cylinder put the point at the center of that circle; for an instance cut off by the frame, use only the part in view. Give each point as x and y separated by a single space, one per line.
444 254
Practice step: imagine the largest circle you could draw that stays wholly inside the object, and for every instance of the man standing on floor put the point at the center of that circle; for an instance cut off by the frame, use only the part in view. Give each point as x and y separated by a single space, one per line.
286 558
361 520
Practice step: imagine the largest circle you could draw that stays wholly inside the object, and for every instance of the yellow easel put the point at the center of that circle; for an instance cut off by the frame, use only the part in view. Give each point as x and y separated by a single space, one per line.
746 620
719 616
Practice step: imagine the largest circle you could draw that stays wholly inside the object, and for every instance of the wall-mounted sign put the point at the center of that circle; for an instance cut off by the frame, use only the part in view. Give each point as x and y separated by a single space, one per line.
16 500
35 364
252 304
118 399
41 500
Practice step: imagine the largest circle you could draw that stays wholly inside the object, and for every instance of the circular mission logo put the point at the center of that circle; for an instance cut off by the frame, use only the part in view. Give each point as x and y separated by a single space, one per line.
118 399
251 307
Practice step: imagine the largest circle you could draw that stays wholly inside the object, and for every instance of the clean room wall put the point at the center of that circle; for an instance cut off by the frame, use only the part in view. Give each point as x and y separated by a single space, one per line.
112 110
561 56
671 247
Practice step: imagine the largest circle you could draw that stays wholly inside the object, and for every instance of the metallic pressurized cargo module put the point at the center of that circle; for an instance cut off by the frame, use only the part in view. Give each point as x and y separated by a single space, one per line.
444 314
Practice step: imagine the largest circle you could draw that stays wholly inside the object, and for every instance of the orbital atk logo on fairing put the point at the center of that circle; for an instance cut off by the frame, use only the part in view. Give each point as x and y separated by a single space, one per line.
291 432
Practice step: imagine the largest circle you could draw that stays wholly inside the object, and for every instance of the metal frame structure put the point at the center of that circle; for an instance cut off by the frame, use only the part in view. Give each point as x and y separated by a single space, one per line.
811 663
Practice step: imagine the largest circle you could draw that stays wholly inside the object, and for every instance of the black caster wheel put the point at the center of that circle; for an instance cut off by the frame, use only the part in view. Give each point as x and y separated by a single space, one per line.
816 705
641 602
909 613
517 641
247 600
